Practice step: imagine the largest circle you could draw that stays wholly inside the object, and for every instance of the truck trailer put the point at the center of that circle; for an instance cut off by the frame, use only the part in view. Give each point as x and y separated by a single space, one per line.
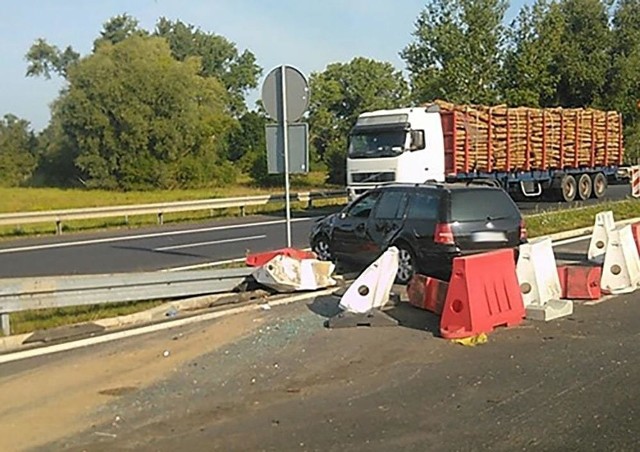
556 153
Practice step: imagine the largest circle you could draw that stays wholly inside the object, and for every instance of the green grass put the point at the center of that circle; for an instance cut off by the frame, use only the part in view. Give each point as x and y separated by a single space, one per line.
43 199
566 220
28 321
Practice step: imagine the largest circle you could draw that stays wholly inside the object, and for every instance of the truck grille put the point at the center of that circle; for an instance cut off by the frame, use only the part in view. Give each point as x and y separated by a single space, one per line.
373 177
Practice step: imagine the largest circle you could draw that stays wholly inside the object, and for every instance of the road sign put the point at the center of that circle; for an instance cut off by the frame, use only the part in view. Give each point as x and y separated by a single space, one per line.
285 95
296 95
298 139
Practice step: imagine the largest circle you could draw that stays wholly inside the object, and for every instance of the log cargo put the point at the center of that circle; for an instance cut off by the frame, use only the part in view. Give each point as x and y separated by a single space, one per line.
503 139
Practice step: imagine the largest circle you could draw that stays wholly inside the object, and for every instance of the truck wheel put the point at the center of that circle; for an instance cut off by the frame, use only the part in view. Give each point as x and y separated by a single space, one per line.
568 188
600 185
585 187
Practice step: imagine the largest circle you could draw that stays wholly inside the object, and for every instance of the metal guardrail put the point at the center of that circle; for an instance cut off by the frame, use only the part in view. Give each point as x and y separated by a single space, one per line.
159 209
22 294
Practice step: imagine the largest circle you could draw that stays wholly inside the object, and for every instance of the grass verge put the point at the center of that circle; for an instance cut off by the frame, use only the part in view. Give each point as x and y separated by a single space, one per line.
537 225
28 321
566 220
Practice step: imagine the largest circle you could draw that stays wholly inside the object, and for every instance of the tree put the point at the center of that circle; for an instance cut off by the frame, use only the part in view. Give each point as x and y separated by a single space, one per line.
44 59
623 86
119 28
17 148
339 94
135 118
238 72
531 74
584 60
456 51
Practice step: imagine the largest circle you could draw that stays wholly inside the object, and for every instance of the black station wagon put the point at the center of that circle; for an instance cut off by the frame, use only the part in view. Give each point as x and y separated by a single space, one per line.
429 223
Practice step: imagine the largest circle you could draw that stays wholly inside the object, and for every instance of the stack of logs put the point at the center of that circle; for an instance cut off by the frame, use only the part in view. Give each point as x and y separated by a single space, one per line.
515 130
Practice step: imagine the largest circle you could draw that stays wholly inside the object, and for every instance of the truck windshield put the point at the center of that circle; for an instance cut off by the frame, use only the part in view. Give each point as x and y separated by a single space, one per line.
379 143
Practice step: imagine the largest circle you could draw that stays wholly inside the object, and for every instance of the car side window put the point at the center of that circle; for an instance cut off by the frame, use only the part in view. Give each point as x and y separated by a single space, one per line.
362 207
391 205
423 206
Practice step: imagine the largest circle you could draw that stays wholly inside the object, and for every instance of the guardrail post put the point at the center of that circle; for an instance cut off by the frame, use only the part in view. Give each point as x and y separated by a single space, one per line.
6 325
160 218
242 211
58 227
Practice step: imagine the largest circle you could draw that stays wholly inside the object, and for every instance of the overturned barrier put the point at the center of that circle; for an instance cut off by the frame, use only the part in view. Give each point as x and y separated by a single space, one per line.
287 274
260 259
621 268
539 282
483 294
603 226
580 282
427 293
370 291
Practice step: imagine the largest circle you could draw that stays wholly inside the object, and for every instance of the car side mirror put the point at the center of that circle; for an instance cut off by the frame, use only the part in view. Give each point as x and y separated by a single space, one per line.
343 215
417 140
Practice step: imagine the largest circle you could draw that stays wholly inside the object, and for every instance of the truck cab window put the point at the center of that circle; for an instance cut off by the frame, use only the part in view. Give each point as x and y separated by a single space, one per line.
377 143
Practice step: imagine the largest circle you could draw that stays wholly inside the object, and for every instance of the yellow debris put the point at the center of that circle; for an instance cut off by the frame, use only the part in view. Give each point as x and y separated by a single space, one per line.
472 341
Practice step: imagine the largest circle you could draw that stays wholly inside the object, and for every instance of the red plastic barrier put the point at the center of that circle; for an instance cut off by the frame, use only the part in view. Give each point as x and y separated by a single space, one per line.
635 228
259 259
427 293
483 293
580 282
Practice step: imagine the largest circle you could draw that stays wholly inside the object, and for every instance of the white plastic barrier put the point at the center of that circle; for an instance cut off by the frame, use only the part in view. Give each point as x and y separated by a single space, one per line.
539 282
372 288
602 228
286 274
621 269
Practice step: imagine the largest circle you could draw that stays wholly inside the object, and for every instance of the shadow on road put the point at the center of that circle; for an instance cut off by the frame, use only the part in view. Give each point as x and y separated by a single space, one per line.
407 315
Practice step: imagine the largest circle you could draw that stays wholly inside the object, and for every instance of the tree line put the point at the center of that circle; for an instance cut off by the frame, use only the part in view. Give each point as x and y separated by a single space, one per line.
165 108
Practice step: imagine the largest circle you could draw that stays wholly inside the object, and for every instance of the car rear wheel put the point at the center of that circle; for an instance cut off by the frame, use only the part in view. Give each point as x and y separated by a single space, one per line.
406 264
322 248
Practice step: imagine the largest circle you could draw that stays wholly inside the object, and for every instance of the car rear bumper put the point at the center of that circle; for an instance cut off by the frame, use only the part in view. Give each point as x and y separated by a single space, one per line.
440 265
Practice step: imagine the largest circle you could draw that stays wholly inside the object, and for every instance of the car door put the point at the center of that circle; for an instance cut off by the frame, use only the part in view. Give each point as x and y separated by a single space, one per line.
423 214
386 221
350 228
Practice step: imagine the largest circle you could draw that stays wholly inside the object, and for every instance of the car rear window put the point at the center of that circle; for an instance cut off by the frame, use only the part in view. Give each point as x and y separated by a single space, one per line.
478 205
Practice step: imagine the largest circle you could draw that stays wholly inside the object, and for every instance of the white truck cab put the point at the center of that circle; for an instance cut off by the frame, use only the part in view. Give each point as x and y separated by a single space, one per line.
400 145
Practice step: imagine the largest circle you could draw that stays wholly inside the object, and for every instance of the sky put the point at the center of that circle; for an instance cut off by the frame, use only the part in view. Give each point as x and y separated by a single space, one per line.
306 34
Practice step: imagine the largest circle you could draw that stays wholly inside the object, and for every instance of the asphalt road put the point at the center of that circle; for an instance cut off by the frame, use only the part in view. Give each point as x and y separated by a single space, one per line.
292 384
172 246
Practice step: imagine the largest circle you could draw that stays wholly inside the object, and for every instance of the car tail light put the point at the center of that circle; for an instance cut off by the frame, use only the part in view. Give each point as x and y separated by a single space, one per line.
444 234
523 231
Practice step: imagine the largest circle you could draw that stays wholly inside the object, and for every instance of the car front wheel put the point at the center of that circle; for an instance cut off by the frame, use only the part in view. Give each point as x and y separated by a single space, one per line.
322 248
406 264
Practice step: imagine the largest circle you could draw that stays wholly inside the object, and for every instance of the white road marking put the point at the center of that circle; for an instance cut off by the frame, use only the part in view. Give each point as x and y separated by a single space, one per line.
212 242
146 236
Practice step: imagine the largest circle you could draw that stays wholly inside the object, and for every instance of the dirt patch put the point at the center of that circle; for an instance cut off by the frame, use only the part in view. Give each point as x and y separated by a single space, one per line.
45 403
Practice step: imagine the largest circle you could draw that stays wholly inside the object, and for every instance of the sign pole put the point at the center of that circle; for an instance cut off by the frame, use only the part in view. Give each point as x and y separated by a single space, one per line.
285 143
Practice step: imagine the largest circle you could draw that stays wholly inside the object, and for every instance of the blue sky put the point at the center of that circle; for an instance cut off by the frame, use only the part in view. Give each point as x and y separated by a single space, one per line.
305 34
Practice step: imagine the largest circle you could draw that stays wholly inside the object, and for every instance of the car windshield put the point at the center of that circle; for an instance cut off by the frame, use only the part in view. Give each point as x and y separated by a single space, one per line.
380 143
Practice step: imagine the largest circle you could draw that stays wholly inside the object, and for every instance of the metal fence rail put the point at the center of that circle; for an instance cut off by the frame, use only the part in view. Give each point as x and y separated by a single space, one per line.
159 209
22 294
